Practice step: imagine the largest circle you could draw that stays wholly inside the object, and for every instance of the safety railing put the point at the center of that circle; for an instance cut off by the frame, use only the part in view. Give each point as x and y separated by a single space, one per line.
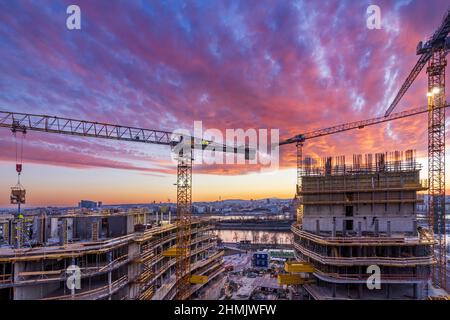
350 261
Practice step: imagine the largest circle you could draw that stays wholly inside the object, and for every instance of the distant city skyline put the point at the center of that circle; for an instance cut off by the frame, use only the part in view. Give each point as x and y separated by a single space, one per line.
215 203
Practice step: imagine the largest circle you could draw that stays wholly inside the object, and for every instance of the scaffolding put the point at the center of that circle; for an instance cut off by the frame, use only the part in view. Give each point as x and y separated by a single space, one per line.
140 260
396 161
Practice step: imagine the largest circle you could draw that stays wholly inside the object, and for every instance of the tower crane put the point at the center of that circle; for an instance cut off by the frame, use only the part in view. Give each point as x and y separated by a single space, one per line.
182 146
300 139
433 52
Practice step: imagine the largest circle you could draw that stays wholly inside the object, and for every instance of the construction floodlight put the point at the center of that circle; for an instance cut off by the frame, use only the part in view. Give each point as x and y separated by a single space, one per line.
436 90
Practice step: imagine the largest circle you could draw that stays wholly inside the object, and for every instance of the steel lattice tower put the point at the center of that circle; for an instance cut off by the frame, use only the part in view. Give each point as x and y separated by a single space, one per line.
184 210
436 160
299 182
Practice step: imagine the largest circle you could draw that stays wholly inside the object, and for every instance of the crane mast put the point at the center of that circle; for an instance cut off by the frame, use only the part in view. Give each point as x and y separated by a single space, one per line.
184 209
433 54
436 161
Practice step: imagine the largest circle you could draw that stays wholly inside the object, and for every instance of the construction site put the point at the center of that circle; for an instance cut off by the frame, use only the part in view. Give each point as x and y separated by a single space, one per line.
352 219
118 255
360 215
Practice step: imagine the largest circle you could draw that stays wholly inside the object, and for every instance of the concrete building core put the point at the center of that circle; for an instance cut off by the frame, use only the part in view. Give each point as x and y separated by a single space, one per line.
354 217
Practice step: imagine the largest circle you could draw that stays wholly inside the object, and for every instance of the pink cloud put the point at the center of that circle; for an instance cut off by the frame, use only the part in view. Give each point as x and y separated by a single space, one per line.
231 65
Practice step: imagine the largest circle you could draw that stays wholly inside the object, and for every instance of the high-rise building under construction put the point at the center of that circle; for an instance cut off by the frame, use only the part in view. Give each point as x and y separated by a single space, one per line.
355 220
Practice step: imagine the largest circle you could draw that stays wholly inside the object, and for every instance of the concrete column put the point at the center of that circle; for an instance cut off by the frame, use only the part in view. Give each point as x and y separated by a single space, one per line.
63 236
416 291
6 231
318 226
333 234
109 275
359 229
72 289
414 230
388 229
134 269
18 292
19 233
130 223
360 291
343 228
94 231
41 229
376 227
334 290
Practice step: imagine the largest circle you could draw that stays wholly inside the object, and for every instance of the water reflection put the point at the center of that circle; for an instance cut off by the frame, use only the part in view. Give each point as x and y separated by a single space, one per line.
255 236
240 217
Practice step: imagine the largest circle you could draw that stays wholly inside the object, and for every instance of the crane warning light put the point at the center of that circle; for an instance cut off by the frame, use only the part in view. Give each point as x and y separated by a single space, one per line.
19 168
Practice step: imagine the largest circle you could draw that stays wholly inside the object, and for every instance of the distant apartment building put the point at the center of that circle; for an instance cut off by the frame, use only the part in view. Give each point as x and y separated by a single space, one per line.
87 204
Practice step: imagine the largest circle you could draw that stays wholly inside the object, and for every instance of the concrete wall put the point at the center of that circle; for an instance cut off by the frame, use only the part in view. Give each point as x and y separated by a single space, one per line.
31 292
398 224
134 269
359 209
401 216
117 226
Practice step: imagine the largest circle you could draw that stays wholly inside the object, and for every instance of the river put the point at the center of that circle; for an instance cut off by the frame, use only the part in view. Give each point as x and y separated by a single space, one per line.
255 236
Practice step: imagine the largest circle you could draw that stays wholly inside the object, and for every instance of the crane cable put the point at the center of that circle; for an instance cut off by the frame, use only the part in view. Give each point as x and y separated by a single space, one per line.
19 156
19 160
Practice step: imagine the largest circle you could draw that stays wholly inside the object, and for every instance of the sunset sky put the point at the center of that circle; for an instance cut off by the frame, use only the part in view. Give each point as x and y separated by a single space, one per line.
288 65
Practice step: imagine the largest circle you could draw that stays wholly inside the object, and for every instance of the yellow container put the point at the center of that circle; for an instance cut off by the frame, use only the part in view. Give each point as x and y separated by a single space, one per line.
198 279
174 252
296 267
290 279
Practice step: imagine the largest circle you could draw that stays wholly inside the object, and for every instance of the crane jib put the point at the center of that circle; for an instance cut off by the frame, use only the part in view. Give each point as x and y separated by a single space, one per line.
21 122
355 125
